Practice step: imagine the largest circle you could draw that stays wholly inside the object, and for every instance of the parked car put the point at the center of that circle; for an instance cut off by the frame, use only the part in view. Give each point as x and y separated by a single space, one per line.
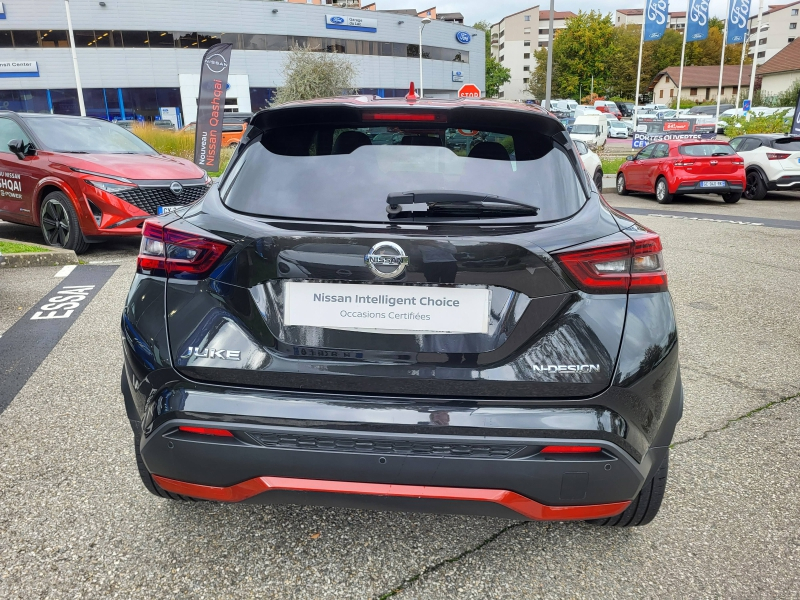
592 129
126 123
592 164
402 327
232 132
618 129
771 162
84 180
676 167
710 109
626 109
606 106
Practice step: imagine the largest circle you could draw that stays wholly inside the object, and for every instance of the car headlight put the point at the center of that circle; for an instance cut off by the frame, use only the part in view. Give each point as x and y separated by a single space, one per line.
111 188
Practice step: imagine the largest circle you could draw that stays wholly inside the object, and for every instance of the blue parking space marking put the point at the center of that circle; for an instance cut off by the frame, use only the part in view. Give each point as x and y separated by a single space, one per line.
31 339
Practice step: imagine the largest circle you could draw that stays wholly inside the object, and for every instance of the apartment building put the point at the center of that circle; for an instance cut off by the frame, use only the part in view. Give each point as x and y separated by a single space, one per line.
514 40
779 29
635 16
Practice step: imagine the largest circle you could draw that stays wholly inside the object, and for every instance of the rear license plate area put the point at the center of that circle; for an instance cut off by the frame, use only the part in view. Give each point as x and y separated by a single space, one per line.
165 210
713 184
387 308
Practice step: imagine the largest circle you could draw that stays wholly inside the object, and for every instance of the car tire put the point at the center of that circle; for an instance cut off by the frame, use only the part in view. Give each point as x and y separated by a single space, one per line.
732 198
645 506
755 188
59 224
598 179
662 191
621 189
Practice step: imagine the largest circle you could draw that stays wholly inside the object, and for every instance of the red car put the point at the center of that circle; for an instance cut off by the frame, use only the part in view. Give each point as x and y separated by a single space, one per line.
83 180
676 167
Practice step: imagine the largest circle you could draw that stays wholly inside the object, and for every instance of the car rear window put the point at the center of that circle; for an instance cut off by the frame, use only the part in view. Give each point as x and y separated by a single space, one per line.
706 150
788 144
333 171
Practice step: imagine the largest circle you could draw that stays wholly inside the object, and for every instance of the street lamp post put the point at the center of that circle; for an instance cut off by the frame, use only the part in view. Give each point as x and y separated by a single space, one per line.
75 61
425 21
755 55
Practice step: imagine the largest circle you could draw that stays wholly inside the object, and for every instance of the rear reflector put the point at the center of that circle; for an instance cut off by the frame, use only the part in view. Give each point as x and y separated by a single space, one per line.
405 116
206 431
520 504
636 266
174 253
570 449
777 156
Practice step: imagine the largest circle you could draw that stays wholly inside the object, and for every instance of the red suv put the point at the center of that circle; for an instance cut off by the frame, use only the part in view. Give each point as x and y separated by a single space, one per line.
83 180
677 167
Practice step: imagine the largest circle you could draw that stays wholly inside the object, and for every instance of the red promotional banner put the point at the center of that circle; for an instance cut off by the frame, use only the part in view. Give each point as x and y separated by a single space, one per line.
211 106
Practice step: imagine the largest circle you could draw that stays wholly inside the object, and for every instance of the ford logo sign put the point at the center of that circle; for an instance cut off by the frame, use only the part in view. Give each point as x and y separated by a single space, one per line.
463 37
337 20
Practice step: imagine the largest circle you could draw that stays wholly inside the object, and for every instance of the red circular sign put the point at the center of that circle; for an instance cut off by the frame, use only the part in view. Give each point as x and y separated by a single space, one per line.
470 90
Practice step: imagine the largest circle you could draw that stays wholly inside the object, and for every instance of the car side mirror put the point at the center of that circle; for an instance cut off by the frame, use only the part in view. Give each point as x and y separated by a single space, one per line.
629 157
18 148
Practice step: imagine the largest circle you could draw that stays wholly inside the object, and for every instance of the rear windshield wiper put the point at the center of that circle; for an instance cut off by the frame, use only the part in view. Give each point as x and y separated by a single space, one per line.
454 203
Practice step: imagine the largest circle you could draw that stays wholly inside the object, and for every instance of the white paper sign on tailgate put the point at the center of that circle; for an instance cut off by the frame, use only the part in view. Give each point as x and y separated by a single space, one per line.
387 308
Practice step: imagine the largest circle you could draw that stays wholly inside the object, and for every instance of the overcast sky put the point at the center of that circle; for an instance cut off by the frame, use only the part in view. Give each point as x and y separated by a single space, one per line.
477 10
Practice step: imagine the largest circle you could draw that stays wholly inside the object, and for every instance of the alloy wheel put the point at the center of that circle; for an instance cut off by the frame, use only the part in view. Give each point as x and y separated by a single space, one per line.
661 190
752 182
620 184
55 224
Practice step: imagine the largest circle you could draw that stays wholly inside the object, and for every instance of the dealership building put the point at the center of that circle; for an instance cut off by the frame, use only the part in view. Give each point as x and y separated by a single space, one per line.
139 59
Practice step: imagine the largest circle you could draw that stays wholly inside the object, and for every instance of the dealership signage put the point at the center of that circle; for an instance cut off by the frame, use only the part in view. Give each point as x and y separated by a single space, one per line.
351 23
2 11
657 130
463 37
19 68
211 106
458 76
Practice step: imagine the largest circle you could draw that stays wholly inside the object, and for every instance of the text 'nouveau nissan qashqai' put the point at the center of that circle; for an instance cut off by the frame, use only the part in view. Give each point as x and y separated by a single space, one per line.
419 305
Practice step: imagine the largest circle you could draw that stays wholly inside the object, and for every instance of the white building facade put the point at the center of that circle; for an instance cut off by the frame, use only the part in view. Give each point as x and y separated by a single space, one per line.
779 29
515 39
139 56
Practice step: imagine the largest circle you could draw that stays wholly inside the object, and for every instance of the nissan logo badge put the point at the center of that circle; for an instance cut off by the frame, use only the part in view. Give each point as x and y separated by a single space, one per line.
176 188
387 260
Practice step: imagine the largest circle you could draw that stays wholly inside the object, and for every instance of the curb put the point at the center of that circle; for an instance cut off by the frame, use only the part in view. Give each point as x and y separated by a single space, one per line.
51 258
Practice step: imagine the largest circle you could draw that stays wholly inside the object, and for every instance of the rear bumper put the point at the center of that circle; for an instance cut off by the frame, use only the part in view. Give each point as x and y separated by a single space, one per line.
787 182
522 506
693 187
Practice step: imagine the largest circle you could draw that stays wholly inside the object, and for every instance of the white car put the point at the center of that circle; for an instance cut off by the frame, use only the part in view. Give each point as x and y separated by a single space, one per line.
592 164
771 162
617 129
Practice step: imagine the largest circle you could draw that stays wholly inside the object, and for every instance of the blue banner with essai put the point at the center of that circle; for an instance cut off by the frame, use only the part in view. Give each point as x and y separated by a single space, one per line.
656 14
737 21
697 21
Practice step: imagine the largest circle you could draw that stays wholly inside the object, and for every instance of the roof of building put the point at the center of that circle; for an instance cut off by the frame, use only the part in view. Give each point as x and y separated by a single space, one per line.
707 76
677 15
631 12
788 59
442 16
775 8
412 12
519 12
558 15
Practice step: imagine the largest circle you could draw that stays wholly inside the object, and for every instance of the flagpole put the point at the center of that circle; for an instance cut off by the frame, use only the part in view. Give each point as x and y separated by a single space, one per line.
639 71
755 54
683 53
741 67
722 61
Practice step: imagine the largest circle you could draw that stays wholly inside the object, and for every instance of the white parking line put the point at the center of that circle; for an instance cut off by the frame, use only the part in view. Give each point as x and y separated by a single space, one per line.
64 271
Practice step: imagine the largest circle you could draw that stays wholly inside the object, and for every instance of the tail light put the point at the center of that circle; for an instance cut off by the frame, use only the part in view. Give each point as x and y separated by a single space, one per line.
570 449
636 266
777 155
174 253
206 431
683 163
737 163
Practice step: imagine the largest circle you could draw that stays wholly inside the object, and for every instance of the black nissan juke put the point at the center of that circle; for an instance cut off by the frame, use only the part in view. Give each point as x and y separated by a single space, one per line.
448 318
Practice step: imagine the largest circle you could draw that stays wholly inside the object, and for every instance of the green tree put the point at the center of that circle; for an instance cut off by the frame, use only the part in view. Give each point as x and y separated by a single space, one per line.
309 73
496 74
583 49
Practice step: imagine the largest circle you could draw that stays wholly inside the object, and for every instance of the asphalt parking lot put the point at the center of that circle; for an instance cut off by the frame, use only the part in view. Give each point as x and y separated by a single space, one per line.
75 521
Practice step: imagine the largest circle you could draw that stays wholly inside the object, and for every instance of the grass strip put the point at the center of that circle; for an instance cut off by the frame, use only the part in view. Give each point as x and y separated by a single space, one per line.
17 247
